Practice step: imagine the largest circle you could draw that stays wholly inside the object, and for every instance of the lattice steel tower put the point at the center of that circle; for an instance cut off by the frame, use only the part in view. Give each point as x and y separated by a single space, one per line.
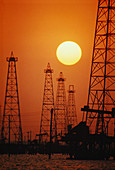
11 123
48 104
101 97
60 107
71 108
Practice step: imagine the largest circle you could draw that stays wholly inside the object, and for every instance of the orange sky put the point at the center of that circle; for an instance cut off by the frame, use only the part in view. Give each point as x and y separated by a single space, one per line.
33 29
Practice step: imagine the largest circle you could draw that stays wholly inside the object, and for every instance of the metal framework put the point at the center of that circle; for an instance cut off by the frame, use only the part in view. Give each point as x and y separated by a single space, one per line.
48 104
101 97
60 108
71 109
11 124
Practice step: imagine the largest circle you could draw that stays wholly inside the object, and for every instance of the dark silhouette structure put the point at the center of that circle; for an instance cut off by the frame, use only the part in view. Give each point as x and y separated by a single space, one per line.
101 97
60 108
11 124
48 104
71 108
94 137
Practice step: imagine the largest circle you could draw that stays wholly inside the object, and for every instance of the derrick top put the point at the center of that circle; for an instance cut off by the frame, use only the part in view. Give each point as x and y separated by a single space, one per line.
48 69
61 78
12 58
71 89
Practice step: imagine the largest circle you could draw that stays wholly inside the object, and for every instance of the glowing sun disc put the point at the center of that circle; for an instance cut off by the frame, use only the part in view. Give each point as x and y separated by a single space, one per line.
68 52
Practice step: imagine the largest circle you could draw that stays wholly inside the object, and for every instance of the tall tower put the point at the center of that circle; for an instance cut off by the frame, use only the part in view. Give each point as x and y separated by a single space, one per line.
11 123
101 97
48 104
71 109
60 107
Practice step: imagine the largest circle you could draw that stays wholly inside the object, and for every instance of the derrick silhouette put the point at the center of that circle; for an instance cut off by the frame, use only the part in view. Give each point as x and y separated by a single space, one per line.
11 123
94 137
71 108
48 104
61 108
101 96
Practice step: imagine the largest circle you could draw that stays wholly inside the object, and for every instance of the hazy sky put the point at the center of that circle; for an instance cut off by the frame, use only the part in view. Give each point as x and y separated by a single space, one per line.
33 29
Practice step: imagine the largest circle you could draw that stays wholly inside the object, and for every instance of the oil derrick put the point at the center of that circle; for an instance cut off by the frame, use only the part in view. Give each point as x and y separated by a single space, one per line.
60 108
48 104
101 96
71 109
11 123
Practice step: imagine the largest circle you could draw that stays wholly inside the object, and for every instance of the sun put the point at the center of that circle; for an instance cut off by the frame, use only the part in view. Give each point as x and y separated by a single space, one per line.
68 53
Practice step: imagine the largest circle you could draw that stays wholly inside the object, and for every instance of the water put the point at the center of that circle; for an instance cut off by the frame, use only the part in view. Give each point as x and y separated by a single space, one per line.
33 162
